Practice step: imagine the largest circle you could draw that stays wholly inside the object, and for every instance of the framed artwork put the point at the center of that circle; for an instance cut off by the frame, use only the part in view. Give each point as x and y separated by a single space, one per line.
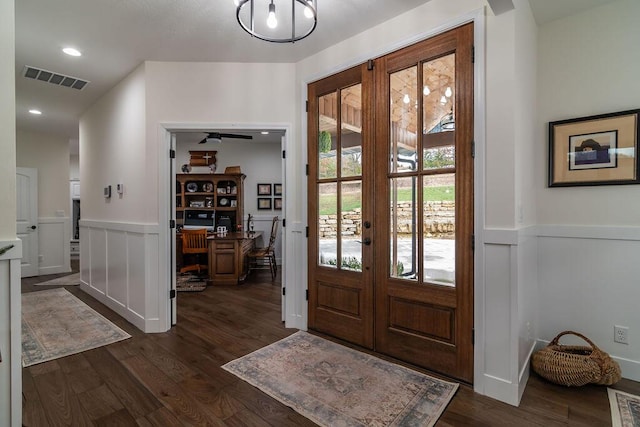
264 189
264 203
594 150
277 189
277 203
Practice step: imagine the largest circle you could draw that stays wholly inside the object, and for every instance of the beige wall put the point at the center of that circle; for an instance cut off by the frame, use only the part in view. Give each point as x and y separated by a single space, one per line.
50 156
7 122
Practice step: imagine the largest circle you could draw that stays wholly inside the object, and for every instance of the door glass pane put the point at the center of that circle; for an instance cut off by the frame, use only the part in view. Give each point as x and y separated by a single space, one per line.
351 225
328 224
438 98
404 242
351 131
403 120
439 229
328 128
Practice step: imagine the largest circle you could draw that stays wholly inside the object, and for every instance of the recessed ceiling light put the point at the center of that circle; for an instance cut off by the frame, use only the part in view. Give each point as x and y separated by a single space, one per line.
36 112
71 51
264 132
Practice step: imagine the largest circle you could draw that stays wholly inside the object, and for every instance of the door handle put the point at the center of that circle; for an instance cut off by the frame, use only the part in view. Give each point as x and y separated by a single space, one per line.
33 227
367 224
366 241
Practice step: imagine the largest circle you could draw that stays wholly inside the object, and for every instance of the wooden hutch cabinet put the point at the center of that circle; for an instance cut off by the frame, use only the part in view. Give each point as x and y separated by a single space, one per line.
219 193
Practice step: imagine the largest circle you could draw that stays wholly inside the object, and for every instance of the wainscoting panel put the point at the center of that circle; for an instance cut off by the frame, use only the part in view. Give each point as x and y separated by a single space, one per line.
98 266
589 281
54 235
124 271
117 280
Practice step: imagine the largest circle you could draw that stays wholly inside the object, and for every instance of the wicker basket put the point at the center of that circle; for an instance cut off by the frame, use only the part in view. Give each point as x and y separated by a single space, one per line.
575 365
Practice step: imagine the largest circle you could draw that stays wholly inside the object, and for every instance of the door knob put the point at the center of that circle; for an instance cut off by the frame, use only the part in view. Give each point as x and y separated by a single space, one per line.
367 224
33 227
367 241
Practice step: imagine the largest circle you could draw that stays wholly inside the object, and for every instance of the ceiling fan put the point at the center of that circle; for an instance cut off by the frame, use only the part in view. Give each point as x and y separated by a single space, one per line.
217 137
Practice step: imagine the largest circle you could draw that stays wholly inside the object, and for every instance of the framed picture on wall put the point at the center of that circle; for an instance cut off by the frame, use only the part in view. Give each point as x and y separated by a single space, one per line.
277 203
594 150
264 189
264 203
277 189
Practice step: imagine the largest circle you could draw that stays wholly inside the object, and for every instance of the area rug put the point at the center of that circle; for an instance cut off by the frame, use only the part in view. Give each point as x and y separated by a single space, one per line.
333 385
68 280
625 408
56 324
190 283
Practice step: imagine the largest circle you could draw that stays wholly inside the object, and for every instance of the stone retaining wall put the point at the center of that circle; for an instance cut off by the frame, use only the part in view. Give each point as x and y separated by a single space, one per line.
439 217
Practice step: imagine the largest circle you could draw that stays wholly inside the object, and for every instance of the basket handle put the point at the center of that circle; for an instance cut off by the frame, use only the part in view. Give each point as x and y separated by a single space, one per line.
557 338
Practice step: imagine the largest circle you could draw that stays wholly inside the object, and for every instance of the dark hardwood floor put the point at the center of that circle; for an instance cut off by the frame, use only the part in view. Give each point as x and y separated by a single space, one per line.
175 378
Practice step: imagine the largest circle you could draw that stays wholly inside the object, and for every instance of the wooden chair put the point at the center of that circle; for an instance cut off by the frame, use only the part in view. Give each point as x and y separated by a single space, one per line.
265 258
194 246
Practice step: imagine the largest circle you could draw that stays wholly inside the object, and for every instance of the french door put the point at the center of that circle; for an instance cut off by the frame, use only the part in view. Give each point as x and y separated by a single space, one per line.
391 204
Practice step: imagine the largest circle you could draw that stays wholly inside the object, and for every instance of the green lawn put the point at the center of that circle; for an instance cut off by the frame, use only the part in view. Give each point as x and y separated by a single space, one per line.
351 201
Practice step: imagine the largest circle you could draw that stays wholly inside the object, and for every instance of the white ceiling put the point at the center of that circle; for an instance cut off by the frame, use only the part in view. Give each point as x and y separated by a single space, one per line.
115 36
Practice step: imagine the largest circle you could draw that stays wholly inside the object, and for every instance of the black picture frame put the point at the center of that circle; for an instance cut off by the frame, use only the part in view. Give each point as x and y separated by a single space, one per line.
277 203
264 189
264 203
277 189
594 150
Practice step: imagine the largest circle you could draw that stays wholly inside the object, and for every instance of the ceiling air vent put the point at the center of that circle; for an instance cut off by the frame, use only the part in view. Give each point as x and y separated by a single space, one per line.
54 78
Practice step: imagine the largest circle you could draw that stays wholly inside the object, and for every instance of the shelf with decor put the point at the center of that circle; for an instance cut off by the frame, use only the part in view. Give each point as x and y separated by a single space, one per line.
222 193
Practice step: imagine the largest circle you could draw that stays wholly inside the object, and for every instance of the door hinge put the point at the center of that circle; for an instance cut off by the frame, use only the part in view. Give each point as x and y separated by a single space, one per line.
284 154
307 231
473 149
307 294
284 291
284 222
306 169
172 223
172 294
306 106
473 54
473 336
370 65
172 154
473 242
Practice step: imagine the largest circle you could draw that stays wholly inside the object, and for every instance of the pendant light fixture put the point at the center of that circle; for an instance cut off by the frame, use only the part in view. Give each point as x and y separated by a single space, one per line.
277 21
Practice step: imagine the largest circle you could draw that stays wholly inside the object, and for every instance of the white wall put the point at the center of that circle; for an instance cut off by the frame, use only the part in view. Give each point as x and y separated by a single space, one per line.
50 156
7 122
74 167
590 236
122 140
10 368
112 151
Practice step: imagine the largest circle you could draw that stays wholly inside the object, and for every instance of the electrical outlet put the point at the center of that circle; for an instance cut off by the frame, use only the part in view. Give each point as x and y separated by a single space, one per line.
621 334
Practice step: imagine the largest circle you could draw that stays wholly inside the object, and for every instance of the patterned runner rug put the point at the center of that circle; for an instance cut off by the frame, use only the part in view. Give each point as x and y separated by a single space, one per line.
333 385
625 408
56 324
190 283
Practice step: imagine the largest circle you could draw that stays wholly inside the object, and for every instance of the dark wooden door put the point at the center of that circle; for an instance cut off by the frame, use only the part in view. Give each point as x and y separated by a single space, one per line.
407 289
340 203
423 237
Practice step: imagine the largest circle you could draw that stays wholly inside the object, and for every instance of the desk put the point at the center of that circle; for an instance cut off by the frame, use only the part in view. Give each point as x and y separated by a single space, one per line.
228 257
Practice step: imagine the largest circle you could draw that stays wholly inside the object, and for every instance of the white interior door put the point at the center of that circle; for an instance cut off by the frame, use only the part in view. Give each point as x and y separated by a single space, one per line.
27 218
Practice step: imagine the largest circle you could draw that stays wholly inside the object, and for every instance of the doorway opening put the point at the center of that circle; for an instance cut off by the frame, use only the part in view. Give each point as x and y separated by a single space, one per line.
215 182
